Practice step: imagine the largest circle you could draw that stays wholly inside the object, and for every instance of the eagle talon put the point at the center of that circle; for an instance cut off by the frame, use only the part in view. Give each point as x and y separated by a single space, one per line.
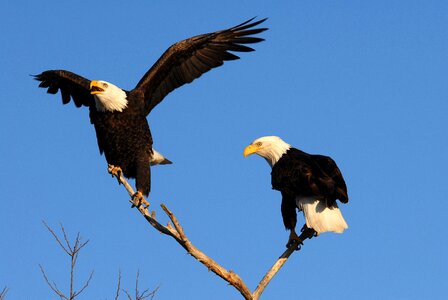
115 172
138 200
299 246
310 231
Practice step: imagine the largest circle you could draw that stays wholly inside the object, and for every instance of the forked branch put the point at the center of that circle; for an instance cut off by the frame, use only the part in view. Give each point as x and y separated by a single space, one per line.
146 294
175 230
3 293
72 250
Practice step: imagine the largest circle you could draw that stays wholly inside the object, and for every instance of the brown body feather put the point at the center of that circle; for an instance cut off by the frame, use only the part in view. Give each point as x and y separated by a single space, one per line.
125 139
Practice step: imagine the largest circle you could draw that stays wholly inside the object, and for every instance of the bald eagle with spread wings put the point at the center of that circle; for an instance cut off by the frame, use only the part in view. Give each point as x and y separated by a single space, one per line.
119 116
308 182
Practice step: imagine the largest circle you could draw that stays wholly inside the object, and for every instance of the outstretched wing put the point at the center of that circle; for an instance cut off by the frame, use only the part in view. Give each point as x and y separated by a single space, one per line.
71 85
189 59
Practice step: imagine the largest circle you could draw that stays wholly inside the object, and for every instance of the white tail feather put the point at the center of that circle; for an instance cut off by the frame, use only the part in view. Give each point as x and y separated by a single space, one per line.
320 217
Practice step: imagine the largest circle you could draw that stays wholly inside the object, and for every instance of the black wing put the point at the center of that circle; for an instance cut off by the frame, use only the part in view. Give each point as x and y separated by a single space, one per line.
293 174
328 165
71 85
300 173
189 59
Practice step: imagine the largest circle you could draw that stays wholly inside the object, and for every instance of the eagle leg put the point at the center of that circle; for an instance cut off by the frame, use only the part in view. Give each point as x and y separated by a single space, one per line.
293 237
115 171
138 199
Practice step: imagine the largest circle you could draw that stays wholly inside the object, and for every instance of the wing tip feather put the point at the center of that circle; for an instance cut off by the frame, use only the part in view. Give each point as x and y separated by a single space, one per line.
247 24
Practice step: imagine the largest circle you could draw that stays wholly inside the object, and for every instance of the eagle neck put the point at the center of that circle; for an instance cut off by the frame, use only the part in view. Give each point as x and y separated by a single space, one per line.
114 100
276 151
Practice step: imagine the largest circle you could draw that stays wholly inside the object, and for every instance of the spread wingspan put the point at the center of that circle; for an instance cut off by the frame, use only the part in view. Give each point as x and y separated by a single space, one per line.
189 59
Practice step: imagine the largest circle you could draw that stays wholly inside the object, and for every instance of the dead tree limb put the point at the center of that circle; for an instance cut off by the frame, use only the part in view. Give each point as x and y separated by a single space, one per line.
117 293
71 250
306 234
3 293
146 294
141 295
178 233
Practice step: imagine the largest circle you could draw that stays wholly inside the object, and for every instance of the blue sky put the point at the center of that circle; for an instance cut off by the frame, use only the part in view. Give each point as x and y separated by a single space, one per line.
363 82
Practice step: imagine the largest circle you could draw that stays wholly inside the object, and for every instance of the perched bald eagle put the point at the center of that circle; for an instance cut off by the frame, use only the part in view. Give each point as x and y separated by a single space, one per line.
119 116
311 183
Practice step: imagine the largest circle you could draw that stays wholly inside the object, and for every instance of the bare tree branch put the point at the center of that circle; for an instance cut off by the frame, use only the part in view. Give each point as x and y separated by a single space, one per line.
127 294
140 295
75 294
4 292
73 252
117 294
212 265
232 278
56 237
306 234
153 293
66 238
52 286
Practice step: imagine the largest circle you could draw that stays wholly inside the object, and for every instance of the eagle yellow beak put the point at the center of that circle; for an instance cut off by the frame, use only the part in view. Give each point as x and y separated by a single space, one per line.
250 150
95 87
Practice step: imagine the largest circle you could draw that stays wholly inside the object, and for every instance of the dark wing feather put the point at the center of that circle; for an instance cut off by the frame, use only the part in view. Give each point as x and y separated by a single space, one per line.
328 165
189 59
293 174
71 85
303 174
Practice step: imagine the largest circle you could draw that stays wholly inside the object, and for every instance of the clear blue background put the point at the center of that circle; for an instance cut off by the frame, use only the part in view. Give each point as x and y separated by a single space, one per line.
362 81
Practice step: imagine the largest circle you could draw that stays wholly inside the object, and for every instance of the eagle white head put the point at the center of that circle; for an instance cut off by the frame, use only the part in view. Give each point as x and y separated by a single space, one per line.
270 148
108 97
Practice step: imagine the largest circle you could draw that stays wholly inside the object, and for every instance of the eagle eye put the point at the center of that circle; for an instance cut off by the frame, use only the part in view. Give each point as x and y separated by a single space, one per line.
105 85
258 144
